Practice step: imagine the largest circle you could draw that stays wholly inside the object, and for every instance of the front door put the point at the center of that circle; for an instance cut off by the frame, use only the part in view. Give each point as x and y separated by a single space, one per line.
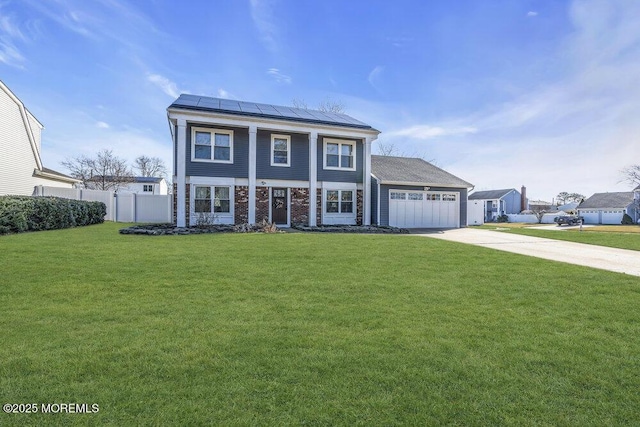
279 206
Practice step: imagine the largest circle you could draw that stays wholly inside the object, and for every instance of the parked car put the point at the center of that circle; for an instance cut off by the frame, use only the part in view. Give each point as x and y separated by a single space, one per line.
568 220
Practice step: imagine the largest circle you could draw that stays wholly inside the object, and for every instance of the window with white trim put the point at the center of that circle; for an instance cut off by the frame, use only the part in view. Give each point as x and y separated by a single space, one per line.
147 188
204 203
212 145
339 201
280 150
339 154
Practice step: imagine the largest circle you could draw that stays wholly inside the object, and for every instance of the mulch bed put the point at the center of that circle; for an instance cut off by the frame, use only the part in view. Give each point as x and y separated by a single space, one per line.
170 229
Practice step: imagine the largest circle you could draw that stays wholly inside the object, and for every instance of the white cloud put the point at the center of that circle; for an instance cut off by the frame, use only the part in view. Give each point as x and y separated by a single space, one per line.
10 33
222 93
263 19
278 76
532 13
167 86
573 133
424 132
375 75
102 125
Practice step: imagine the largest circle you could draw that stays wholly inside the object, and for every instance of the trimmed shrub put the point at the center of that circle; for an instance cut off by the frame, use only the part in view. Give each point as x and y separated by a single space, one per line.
25 213
626 220
502 218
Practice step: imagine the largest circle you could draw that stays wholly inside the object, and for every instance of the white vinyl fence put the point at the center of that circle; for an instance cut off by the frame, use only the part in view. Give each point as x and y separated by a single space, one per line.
123 207
531 218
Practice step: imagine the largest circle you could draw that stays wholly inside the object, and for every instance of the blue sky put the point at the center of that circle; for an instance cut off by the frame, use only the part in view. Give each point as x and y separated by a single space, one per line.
502 93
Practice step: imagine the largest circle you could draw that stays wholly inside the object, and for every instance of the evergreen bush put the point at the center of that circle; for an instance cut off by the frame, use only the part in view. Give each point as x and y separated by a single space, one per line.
25 213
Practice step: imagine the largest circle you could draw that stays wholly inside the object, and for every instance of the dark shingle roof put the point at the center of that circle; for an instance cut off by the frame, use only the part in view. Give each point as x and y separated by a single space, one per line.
411 170
147 179
490 194
253 109
608 200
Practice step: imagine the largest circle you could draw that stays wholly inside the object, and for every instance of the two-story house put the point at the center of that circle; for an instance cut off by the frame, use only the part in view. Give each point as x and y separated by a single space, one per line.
237 162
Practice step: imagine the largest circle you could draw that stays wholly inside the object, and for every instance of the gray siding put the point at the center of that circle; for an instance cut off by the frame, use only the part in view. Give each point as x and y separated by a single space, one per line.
299 160
512 202
340 176
384 200
374 201
238 169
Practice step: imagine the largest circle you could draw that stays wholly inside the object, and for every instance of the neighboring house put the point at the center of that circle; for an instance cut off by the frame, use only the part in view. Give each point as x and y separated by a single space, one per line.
21 168
495 203
237 162
145 185
609 208
413 193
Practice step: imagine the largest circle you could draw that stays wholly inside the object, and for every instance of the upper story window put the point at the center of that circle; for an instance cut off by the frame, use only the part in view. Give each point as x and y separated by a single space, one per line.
212 145
280 150
147 188
339 154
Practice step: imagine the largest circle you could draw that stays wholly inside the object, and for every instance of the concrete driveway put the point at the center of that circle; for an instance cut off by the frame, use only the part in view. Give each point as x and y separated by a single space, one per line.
612 259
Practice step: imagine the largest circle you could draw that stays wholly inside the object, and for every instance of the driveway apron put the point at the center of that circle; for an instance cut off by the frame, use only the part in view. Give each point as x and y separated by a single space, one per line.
604 258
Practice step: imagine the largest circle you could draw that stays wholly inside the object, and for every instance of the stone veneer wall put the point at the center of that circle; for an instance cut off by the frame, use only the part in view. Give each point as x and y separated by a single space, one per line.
299 206
174 215
262 204
319 206
359 207
241 207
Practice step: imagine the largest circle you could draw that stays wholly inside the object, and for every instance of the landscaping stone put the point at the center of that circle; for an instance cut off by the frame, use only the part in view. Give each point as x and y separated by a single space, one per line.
363 229
170 229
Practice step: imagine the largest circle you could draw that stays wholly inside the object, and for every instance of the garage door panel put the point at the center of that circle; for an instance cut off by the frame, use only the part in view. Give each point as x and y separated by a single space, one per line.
423 209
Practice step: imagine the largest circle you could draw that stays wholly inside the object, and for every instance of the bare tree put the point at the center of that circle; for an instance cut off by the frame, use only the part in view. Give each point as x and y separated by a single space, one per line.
631 174
299 103
564 197
331 106
150 166
102 172
390 149
327 106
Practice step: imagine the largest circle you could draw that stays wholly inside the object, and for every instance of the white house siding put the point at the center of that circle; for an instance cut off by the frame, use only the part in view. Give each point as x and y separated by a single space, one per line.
17 160
36 130
138 187
36 180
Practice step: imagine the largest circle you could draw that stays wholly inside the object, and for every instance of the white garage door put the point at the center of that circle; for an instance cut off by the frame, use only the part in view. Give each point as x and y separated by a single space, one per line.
424 209
612 216
590 216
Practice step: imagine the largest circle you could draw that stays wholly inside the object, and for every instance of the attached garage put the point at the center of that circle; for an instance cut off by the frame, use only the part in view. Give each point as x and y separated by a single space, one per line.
412 193
424 209
610 208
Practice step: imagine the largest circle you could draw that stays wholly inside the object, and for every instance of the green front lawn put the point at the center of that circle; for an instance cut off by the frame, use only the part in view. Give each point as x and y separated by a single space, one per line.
320 329
623 237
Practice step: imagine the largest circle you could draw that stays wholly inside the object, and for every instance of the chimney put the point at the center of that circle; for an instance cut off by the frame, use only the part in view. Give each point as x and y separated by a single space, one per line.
523 199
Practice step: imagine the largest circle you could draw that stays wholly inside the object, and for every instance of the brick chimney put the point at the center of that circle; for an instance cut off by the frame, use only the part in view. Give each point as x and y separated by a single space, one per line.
523 199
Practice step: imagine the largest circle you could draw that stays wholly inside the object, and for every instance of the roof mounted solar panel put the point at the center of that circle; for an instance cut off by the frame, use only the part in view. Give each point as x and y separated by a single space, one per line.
204 103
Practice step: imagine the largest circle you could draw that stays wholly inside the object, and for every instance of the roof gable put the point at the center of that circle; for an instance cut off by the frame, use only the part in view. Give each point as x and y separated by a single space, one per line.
490 194
253 109
410 170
